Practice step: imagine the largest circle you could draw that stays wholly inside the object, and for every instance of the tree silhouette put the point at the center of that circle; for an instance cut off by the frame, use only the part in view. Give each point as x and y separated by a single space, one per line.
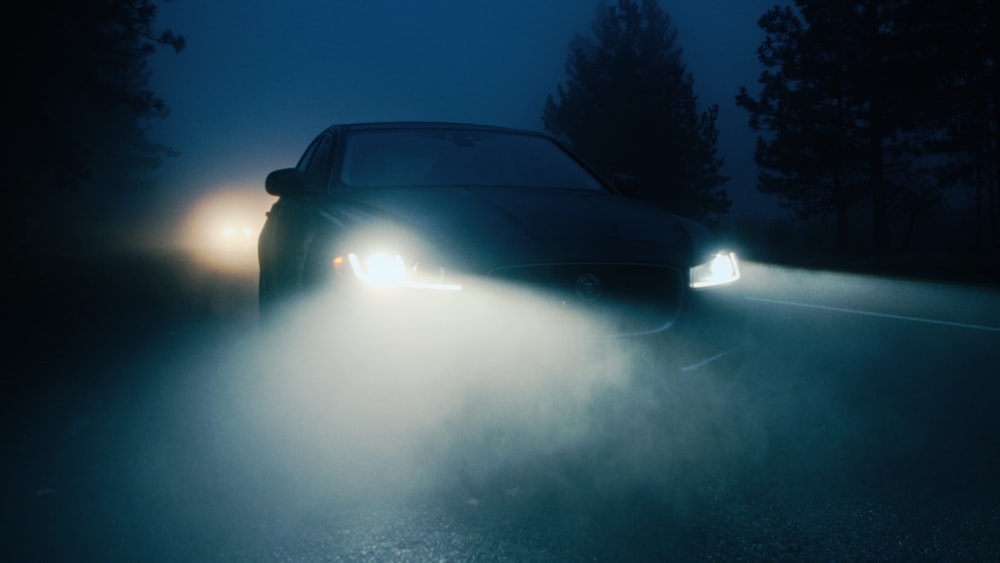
812 155
964 101
878 100
78 91
628 106
77 99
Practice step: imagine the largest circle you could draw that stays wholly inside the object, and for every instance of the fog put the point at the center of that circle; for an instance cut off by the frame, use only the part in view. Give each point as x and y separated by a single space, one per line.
477 398
862 423
149 417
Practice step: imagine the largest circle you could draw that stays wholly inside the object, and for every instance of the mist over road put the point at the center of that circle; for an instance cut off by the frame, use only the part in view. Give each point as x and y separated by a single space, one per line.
151 420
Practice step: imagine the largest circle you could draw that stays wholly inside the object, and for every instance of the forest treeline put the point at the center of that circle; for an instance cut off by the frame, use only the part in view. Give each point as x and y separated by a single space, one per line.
78 103
878 113
887 105
78 91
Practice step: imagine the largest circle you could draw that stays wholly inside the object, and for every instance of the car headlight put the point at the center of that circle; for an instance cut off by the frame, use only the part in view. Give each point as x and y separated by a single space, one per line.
722 269
382 269
231 234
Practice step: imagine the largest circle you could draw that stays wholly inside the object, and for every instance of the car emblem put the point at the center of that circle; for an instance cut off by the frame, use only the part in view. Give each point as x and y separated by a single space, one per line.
589 288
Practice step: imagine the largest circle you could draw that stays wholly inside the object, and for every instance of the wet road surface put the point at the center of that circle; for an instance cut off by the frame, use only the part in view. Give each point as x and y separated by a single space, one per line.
162 426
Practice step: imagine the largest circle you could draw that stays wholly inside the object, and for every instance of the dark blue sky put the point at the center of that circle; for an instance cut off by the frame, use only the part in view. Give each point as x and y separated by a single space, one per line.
260 78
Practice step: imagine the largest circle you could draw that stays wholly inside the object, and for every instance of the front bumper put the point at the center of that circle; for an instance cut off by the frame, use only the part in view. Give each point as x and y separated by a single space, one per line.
709 329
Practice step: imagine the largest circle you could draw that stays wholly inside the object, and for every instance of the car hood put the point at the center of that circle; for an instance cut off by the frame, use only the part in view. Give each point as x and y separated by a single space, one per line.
507 225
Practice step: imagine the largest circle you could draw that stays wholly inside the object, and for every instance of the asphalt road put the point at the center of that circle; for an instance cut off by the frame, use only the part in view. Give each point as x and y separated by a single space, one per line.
146 419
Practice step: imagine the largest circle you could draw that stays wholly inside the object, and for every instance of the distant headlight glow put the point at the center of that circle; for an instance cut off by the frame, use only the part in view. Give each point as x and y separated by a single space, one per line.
722 269
390 270
229 233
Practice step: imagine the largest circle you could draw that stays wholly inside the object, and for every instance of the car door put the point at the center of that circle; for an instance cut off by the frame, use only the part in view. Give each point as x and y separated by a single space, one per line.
290 228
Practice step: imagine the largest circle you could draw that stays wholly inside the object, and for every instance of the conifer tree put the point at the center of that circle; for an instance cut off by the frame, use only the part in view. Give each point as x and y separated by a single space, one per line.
628 106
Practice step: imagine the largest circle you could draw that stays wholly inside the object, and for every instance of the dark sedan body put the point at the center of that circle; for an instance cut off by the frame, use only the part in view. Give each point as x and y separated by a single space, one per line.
449 210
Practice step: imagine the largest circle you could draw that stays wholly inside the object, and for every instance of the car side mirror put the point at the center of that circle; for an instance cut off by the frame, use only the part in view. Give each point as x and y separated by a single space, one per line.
627 185
287 181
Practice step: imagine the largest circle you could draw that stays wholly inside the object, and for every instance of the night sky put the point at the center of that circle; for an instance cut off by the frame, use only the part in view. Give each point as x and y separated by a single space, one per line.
258 79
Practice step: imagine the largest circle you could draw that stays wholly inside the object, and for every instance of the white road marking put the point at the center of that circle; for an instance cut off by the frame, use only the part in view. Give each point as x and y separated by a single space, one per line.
874 314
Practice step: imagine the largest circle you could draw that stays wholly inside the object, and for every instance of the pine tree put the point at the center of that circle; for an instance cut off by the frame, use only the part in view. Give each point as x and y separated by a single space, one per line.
964 101
628 106
77 102
78 91
876 99
811 155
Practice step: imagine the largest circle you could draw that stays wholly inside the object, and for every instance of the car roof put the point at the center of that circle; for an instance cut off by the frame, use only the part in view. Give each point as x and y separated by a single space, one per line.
428 125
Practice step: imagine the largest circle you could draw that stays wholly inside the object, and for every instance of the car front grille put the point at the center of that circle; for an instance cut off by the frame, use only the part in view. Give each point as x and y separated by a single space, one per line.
623 299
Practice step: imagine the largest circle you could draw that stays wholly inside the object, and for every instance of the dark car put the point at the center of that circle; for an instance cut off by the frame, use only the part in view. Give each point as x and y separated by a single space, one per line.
441 212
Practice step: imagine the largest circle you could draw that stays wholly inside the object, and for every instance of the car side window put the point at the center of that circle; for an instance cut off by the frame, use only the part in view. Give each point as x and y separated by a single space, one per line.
307 156
318 168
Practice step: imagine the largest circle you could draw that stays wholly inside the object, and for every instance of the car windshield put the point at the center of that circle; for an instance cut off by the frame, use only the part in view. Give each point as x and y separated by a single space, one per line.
459 157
